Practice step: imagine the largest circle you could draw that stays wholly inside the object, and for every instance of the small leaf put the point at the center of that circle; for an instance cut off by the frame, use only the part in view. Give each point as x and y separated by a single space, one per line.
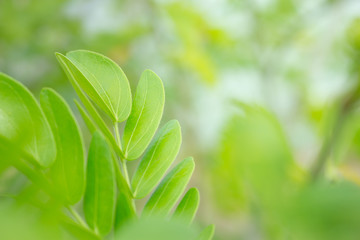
188 206
105 83
99 200
207 233
68 172
145 115
170 189
157 159
73 73
22 121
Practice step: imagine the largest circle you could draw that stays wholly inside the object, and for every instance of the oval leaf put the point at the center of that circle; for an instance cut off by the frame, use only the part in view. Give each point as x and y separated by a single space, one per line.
22 121
170 189
188 206
99 200
74 75
105 83
145 115
157 159
68 171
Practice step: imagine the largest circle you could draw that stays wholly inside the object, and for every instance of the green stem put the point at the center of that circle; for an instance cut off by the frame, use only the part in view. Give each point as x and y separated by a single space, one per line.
78 218
126 174
123 167
123 161
117 135
37 177
343 112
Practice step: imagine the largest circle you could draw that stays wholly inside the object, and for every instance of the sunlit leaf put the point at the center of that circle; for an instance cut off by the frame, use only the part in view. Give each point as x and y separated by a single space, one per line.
74 74
20 114
99 200
157 159
105 83
68 171
188 206
170 189
145 115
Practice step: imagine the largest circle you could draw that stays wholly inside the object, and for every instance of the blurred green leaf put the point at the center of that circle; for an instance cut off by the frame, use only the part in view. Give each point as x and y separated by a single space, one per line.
207 233
153 228
170 189
124 210
157 159
26 223
145 115
21 114
188 206
105 83
68 171
100 193
324 211
255 162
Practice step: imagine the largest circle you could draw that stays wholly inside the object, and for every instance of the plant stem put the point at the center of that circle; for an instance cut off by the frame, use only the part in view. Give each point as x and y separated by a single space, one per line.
343 112
117 135
37 178
123 167
126 174
123 161
77 217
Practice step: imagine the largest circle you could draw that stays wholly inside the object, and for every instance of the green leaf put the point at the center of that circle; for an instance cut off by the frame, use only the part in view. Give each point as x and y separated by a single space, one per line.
207 233
68 171
105 83
124 210
145 115
170 189
87 119
23 122
188 206
73 74
156 228
100 193
157 159
79 231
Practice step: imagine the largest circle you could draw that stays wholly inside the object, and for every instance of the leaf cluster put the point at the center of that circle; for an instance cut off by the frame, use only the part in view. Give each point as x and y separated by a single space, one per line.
44 142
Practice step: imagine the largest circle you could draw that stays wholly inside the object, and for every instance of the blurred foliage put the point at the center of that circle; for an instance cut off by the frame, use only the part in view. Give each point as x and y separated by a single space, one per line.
292 58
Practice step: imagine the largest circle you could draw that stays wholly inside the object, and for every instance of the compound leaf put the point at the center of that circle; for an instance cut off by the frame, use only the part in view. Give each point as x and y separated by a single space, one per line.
145 115
157 159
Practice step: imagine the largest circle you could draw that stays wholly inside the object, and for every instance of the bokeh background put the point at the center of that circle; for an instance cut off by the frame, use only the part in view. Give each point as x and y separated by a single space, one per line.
255 85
